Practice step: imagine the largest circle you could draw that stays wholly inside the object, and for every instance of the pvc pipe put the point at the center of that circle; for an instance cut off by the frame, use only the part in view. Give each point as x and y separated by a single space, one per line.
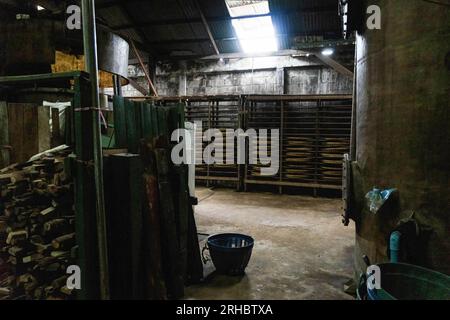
394 245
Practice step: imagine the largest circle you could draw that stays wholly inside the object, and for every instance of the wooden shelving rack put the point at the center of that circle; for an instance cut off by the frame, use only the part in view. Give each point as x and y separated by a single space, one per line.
218 112
314 135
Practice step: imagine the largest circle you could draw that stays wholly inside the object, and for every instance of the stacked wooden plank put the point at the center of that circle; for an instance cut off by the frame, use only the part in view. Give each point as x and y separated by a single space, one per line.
37 229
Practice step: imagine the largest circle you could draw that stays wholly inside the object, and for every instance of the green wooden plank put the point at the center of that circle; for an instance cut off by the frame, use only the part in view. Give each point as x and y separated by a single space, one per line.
173 119
124 212
155 126
139 121
69 135
163 128
182 114
120 128
132 128
147 121
85 205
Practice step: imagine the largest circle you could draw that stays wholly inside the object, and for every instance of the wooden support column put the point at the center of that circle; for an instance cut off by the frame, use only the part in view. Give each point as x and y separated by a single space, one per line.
171 258
5 148
155 287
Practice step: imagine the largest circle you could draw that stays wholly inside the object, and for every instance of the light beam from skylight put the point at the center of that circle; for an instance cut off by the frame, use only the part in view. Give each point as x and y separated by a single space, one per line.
256 35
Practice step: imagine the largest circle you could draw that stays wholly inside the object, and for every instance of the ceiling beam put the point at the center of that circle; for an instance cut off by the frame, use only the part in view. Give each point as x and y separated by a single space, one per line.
241 55
276 14
207 28
147 75
200 40
334 64
137 29
325 43
138 87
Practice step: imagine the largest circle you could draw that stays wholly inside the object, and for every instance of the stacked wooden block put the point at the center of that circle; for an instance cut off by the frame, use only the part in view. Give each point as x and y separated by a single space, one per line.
37 229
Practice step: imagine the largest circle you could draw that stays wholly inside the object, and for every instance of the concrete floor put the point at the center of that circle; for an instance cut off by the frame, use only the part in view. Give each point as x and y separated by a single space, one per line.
302 250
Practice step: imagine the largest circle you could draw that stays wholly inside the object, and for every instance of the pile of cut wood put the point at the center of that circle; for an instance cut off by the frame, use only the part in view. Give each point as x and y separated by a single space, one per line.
37 229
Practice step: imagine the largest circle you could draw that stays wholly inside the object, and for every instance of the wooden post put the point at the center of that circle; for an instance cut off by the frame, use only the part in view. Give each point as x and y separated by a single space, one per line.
5 147
171 259
153 275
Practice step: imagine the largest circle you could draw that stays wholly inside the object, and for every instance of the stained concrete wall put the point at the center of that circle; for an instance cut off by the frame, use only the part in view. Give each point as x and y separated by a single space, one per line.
317 80
403 133
263 75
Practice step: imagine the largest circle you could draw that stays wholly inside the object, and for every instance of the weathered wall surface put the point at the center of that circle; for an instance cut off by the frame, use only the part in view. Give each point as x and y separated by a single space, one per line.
403 132
317 81
263 75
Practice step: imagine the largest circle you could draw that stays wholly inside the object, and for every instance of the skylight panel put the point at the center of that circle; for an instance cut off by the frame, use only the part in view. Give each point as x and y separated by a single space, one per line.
257 34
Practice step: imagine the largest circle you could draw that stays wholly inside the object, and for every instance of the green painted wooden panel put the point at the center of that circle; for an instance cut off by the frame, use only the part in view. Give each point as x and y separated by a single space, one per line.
132 126
124 191
147 129
163 118
155 124
120 128
138 106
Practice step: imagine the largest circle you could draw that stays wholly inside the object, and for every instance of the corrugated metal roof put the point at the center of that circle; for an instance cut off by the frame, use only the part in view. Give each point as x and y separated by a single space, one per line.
171 27
299 20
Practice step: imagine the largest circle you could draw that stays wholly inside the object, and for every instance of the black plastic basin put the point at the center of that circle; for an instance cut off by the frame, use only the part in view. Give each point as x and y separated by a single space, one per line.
230 252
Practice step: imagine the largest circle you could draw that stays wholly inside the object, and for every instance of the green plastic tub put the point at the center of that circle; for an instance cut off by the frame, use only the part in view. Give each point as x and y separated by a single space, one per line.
401 281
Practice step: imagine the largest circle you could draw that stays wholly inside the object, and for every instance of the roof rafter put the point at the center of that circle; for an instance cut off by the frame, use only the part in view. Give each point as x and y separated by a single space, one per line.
277 14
